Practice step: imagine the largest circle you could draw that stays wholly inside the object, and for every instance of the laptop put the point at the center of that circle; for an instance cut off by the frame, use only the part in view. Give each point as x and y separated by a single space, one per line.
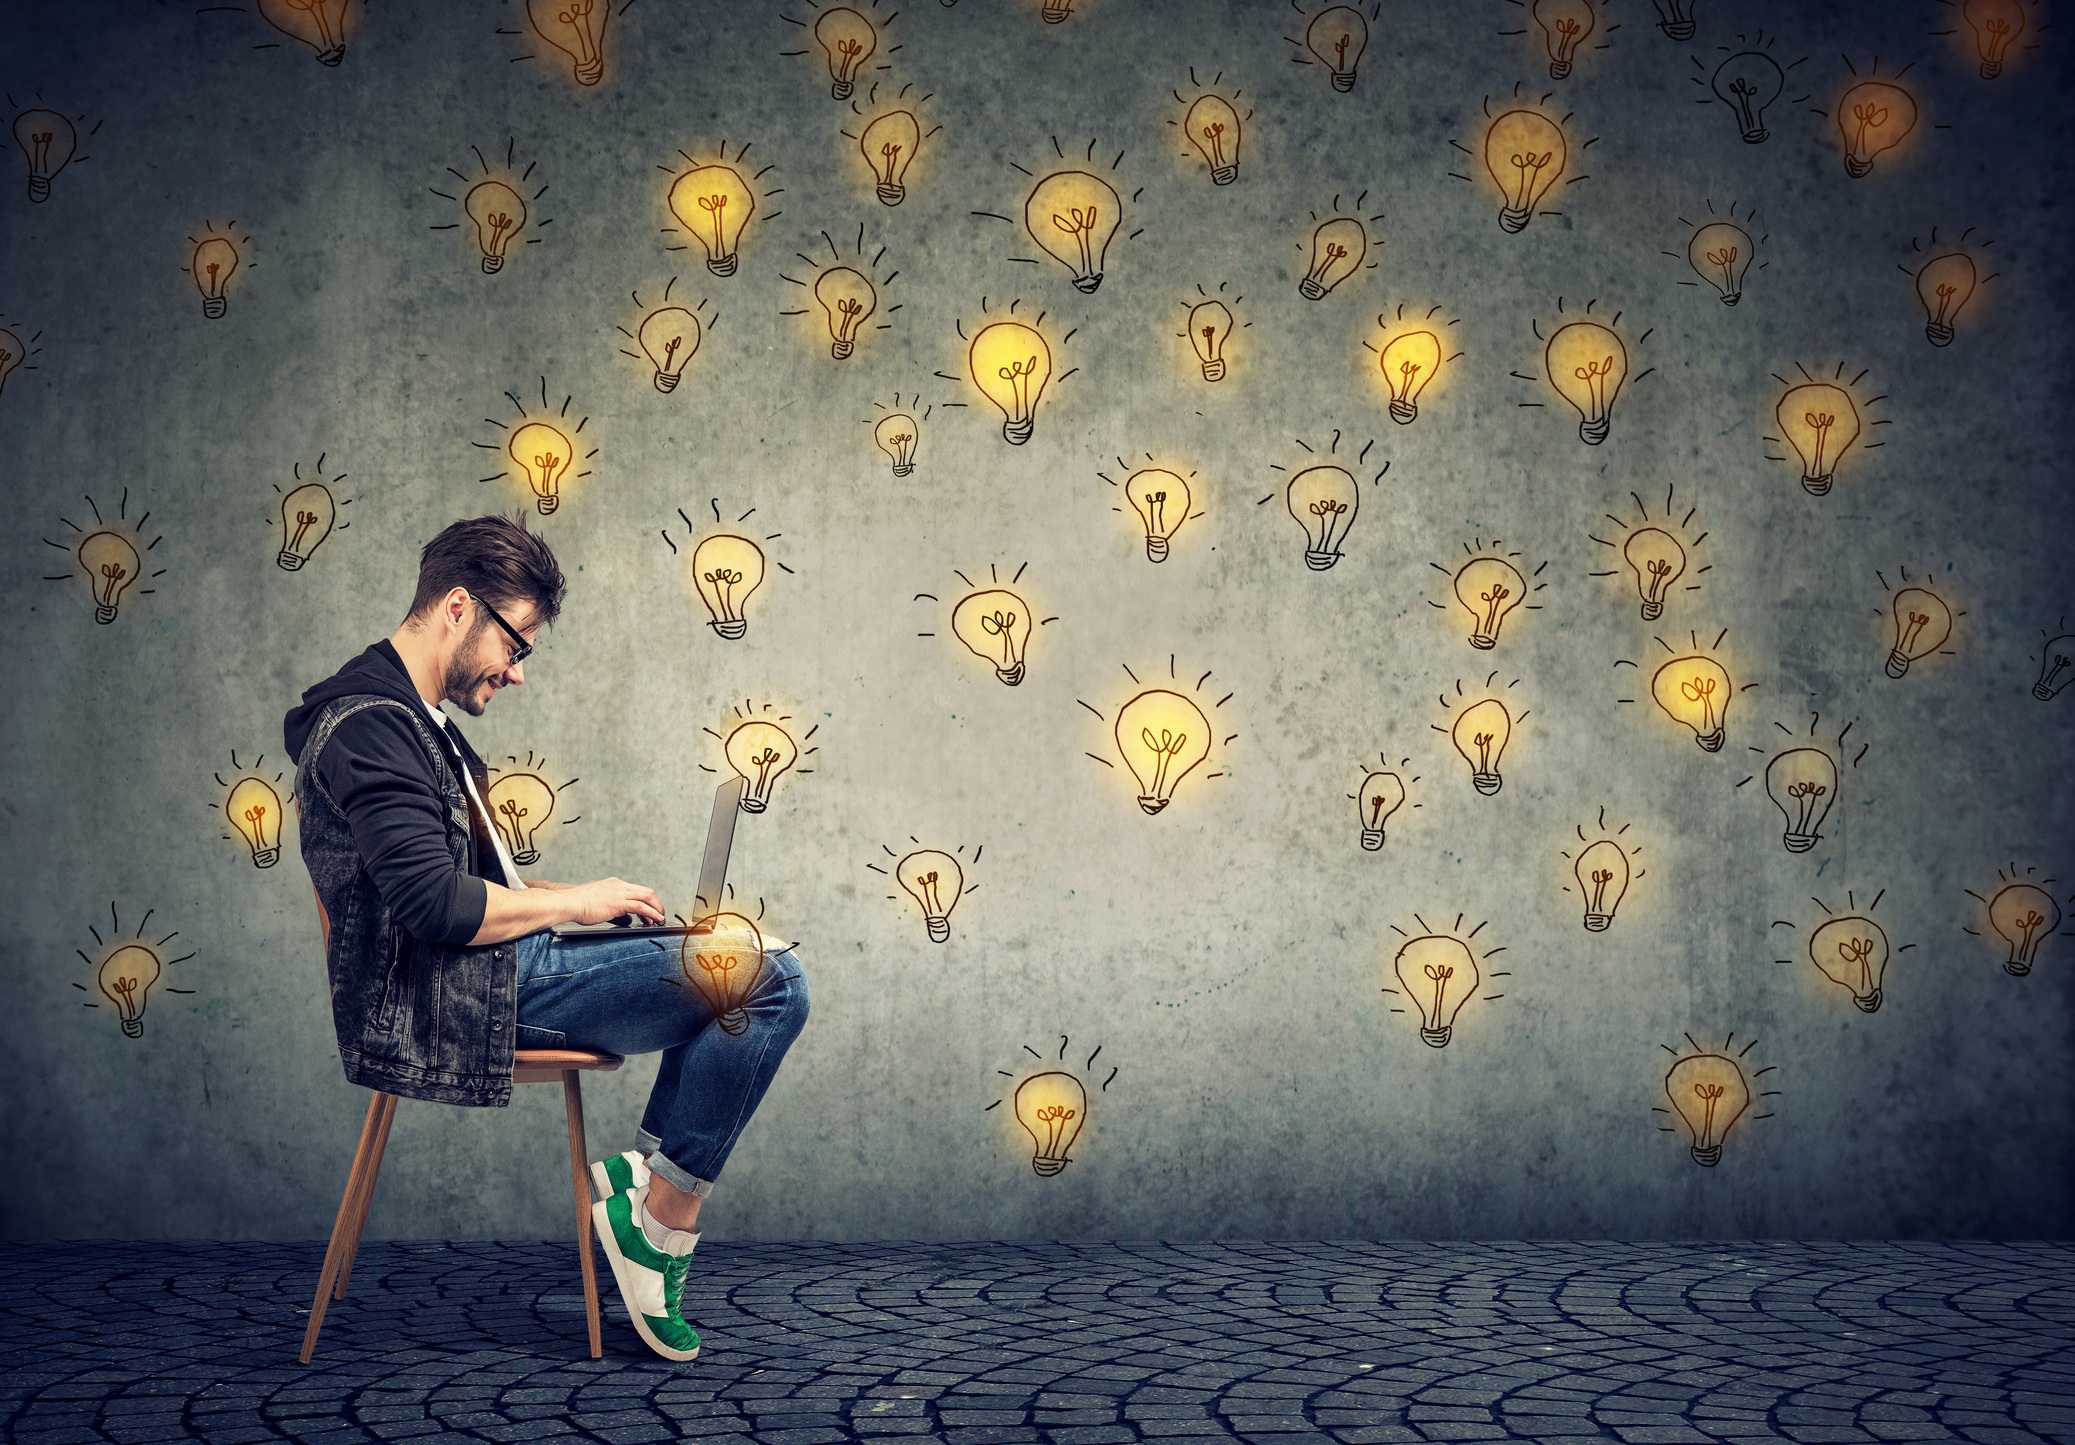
713 876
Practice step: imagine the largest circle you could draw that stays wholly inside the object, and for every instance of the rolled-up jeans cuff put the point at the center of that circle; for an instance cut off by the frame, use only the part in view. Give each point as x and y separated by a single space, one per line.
658 1163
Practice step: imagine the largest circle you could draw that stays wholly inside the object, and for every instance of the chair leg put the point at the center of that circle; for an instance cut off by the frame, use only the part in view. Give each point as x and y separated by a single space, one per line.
579 1155
367 1195
347 1223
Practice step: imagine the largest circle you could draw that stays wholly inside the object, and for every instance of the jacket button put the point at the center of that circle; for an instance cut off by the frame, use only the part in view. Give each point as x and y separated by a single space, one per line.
499 953
496 1025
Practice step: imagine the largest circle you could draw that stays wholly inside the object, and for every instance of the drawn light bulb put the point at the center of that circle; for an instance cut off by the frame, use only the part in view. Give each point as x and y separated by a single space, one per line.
307 515
1210 326
713 205
499 213
1695 692
760 753
1720 254
1874 116
1525 152
1010 363
2056 668
1410 360
11 353
1051 1107
1072 215
1439 976
1656 560
1163 738
1213 128
669 337
889 145
1338 248
111 564
934 881
1161 499
1488 589
254 809
896 435
722 958
1922 624
1587 364
47 140
1749 81
1709 1094
1565 26
847 298
1852 953
1602 873
126 978
1675 18
848 40
214 261
1943 285
319 24
1480 734
2026 917
1324 501
543 455
1382 795
1337 36
520 805
577 29
1802 783
1995 24
726 569
995 626
1820 422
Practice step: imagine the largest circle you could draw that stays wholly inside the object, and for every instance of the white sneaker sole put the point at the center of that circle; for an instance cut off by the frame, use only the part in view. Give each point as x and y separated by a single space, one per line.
601 1225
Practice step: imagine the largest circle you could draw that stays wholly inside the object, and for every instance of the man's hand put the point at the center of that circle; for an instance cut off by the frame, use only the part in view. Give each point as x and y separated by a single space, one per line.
608 898
510 912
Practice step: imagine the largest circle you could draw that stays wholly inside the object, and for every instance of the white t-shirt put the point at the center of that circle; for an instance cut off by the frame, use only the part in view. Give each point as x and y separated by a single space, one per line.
504 857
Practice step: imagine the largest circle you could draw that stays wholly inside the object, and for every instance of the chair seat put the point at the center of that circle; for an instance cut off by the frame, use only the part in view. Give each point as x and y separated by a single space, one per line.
560 1059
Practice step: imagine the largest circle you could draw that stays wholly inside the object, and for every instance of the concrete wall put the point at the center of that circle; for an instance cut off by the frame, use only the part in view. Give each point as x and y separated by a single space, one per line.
1232 957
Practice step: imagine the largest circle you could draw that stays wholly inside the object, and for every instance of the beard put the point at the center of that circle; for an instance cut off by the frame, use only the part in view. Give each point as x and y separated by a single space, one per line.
462 680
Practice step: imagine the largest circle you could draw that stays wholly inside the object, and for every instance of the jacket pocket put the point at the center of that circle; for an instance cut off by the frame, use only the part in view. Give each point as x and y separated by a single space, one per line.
395 982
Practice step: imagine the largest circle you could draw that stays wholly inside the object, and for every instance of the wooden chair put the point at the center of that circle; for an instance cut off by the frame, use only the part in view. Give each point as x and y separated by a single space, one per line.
529 1066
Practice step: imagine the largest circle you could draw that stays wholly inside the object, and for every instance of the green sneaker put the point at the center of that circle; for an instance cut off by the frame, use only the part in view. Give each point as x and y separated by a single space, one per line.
651 1282
619 1174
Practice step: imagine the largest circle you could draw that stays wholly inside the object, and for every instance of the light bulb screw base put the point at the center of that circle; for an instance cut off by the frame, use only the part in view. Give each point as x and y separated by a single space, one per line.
1483 641
1868 1004
841 349
333 56
1799 842
1010 675
1652 611
132 1028
104 615
1710 1156
265 857
590 72
722 265
1403 412
492 264
841 89
1711 742
1042 1165
1559 70
289 562
1730 298
2017 967
1224 175
1310 290
1053 14
1990 69
1938 335
1214 370
1320 561
1756 135
666 382
526 857
1487 783
939 929
1856 168
213 307
734 1021
1016 433
892 195
547 505
751 803
1086 284
1898 663
39 188
1678 29
732 629
1150 804
1372 839
1592 433
1597 922
1343 81
1156 549
902 469
1513 219
1816 486
1436 1038
2041 691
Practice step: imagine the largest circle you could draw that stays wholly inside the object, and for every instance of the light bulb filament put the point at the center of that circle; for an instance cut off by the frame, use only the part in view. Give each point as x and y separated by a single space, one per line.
1594 375
1916 625
1333 252
849 310
1328 514
2031 920
1054 1117
1483 744
848 50
1855 951
114 572
1163 750
1409 370
578 18
1702 691
315 10
1822 422
1376 812
548 463
1660 570
716 206
303 522
1945 295
998 624
1340 52
1210 348
1726 259
126 987
892 153
1215 134
1996 36
1565 34
1709 1093
512 813
1440 973
1805 794
1867 114
1017 374
2060 664
1497 595
1530 166
932 905
1156 509
1081 228
724 580
40 163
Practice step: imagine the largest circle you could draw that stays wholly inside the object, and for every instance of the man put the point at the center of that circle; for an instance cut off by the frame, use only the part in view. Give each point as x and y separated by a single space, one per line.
441 959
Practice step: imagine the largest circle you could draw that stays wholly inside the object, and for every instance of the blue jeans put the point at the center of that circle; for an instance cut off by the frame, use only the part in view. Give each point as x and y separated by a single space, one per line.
630 996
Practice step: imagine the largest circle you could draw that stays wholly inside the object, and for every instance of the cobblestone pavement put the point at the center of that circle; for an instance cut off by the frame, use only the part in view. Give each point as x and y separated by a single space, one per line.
993 1344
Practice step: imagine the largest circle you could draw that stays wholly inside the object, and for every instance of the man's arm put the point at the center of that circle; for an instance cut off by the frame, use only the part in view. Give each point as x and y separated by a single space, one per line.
510 912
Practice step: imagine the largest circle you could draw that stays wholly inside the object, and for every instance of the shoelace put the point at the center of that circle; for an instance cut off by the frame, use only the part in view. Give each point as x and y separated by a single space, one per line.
673 1284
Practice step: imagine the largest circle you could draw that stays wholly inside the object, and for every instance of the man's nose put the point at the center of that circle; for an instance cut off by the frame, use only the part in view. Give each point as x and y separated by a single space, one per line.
515 674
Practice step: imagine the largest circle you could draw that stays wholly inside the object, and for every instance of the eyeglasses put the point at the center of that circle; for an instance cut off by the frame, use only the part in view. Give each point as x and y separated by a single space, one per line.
522 649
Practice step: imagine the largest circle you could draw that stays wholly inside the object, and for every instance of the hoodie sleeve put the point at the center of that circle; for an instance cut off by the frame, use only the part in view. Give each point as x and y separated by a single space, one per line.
374 767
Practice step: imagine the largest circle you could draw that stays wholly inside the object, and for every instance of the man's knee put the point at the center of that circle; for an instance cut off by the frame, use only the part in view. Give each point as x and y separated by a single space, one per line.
796 994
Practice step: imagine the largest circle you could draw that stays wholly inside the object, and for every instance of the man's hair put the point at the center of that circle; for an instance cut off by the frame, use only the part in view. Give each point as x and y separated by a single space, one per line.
497 560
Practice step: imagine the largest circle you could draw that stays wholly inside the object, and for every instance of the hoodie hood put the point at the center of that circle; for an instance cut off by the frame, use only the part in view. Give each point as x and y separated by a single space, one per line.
377 671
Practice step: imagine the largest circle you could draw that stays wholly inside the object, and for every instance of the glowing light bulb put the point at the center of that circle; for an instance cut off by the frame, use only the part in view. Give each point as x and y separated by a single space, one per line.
2026 917
1657 560
848 40
1720 254
1010 363
111 564
520 805
1161 499
1602 873
319 24
1565 25
47 140
1852 953
995 626
126 978
1748 82
1337 36
1213 128
1488 589
1695 692
1675 18
1802 783
2056 668
1922 624
1709 1094
896 435
11 353
1338 248
1072 215
713 205
1943 285
1210 326
1382 795
215 259
889 145
1996 23
577 29
1873 116
254 809
307 515
1820 422
1163 737
1439 976
1051 1108
1410 361
847 298
669 337
1324 501
1525 152
934 881
543 455
726 569
1587 364
760 753
1480 734
722 958
499 213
